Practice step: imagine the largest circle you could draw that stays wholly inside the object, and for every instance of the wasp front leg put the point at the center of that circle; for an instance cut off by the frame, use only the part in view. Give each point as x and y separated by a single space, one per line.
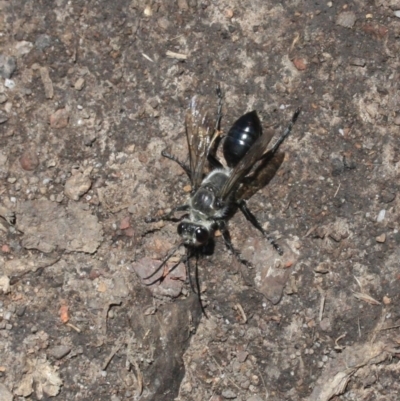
184 167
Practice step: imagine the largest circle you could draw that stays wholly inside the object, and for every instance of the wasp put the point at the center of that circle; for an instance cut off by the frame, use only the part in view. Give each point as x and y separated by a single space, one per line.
219 189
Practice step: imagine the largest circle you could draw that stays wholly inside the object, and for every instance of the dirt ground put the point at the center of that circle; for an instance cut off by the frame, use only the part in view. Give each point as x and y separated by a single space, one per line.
91 92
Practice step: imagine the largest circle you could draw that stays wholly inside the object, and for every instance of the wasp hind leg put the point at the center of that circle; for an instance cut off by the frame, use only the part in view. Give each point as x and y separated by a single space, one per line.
253 220
286 132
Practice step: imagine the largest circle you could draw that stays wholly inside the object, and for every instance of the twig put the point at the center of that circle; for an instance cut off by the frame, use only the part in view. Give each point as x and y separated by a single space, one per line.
116 348
337 346
239 307
221 371
147 57
73 327
178 56
337 190
322 306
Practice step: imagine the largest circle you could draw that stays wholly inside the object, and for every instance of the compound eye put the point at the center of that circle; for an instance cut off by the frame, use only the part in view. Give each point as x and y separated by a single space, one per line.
201 235
180 228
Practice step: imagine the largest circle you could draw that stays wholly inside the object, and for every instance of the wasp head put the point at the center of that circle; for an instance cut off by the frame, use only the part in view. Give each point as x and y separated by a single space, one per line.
195 234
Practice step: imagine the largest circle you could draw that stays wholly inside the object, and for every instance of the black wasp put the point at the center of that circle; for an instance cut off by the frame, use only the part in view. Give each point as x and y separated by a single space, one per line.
219 190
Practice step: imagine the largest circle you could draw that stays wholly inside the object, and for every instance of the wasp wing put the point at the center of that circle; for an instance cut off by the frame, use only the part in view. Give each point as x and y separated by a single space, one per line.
200 135
261 176
267 168
254 154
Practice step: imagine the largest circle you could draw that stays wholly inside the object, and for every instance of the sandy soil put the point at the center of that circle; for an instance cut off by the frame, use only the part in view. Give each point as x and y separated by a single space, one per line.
91 92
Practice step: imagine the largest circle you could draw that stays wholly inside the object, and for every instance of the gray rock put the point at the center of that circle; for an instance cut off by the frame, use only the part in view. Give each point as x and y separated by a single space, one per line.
59 351
7 66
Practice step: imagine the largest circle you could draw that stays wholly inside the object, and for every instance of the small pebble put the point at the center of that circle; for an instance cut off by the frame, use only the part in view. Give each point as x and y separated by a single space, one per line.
183 5
381 215
242 356
381 238
346 19
387 196
59 351
228 394
322 268
4 284
59 119
3 117
7 66
77 185
325 324
358 62
163 23
300 64
79 84
9 83
5 248
29 160
125 223
20 311
386 300
245 384
43 41
148 12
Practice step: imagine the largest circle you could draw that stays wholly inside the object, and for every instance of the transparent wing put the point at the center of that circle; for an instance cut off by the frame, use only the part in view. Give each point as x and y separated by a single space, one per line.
200 134
261 176
255 153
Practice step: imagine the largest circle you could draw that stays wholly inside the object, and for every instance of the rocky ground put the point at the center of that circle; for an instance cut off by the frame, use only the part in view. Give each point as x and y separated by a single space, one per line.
90 93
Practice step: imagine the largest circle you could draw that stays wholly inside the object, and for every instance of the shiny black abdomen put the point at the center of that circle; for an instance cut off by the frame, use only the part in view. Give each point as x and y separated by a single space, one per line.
244 132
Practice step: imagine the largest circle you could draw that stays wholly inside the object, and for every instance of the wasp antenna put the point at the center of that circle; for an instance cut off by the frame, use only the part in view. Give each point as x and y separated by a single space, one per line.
165 260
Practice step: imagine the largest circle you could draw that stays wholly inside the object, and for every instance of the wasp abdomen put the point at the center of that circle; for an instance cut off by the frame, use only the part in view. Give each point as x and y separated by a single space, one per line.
244 132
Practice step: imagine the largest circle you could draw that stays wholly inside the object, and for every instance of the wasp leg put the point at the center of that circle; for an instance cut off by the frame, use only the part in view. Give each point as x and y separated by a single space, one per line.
219 109
185 168
228 242
252 219
211 157
169 216
214 161
285 133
